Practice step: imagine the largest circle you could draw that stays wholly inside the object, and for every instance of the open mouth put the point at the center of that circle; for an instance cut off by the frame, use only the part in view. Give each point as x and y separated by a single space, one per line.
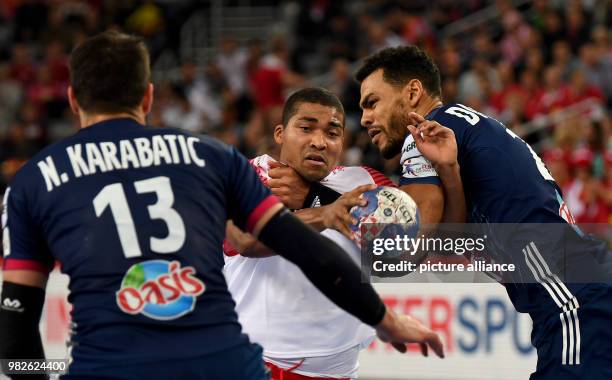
315 159
374 134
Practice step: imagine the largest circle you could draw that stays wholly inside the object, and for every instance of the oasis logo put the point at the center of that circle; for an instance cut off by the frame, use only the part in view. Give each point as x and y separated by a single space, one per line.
159 289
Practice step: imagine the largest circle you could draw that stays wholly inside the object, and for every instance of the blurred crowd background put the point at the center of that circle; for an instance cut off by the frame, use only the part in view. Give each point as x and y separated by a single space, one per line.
224 68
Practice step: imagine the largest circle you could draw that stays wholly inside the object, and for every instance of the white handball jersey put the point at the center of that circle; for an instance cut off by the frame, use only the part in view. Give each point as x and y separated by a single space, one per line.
277 305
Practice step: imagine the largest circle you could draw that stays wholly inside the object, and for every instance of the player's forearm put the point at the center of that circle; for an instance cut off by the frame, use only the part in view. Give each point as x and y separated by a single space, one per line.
455 209
19 319
312 217
429 199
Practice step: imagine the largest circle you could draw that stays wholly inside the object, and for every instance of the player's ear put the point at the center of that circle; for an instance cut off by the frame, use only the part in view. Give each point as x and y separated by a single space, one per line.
412 92
278 133
147 99
74 105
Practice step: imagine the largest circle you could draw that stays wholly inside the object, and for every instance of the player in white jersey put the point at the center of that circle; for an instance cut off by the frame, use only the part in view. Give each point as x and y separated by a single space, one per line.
303 334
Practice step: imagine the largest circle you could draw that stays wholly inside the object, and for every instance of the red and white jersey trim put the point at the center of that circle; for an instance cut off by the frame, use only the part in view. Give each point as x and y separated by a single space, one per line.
274 299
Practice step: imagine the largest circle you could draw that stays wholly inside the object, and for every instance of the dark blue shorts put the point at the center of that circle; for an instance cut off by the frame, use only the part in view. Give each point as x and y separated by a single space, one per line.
238 363
576 343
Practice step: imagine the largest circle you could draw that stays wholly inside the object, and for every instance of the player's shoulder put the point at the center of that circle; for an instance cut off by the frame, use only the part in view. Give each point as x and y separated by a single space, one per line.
347 178
457 116
26 177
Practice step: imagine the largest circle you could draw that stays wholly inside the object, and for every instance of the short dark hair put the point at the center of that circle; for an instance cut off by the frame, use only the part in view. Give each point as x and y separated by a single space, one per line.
316 95
109 73
400 65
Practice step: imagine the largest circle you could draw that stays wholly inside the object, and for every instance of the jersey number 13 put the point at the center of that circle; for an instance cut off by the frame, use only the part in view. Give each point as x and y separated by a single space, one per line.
113 196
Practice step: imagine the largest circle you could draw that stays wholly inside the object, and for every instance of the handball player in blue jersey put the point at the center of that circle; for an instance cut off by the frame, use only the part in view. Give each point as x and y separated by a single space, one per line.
492 177
136 218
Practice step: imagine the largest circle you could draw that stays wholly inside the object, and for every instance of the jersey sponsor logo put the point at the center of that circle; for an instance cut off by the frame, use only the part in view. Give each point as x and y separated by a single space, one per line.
418 168
409 168
159 289
12 305
410 147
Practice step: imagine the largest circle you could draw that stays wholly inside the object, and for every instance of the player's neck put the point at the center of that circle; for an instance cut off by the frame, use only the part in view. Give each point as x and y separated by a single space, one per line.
429 105
87 120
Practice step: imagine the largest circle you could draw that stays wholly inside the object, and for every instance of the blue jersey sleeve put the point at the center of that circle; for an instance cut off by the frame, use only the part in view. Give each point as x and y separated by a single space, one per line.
23 243
248 198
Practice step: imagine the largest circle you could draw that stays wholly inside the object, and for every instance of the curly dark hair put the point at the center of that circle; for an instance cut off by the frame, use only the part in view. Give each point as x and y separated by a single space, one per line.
400 65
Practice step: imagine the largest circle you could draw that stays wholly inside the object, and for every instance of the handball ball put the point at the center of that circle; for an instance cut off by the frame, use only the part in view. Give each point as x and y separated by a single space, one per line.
389 212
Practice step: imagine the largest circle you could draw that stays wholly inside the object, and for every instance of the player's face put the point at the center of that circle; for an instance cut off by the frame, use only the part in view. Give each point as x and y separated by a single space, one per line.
384 114
311 142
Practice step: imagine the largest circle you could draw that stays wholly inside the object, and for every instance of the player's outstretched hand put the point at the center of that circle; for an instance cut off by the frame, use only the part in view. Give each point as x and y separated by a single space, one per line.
288 185
337 216
402 329
435 142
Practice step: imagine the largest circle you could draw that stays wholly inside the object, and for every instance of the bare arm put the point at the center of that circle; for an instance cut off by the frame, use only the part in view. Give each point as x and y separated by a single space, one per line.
455 210
25 277
438 144
430 200
245 243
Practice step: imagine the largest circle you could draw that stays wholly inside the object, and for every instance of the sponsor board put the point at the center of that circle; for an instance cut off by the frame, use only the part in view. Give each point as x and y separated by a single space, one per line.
483 336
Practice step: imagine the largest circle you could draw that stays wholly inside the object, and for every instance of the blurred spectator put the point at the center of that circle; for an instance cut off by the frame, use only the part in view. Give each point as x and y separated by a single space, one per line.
272 77
597 69
179 112
552 29
556 93
580 90
532 92
379 38
582 195
10 97
342 39
484 47
534 61
232 61
348 90
577 29
562 57
470 82
449 60
21 66
516 35
198 93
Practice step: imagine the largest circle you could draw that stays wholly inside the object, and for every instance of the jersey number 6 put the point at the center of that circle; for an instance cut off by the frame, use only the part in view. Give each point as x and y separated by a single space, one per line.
113 196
